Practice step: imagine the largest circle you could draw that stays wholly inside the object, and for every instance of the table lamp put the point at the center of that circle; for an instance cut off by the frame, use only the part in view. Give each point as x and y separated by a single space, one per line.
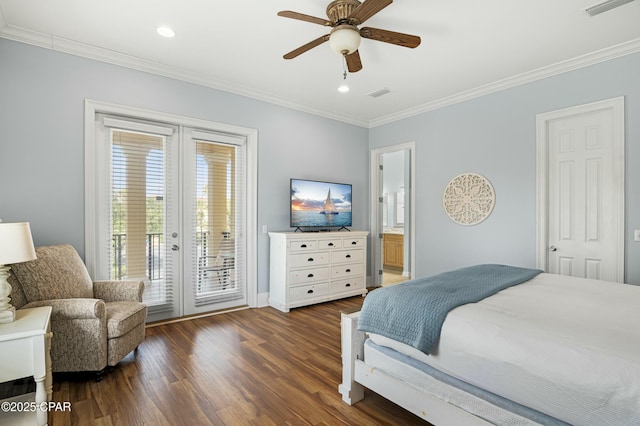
16 245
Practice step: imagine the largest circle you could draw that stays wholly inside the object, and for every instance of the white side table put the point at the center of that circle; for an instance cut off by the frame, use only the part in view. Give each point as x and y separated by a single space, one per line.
25 351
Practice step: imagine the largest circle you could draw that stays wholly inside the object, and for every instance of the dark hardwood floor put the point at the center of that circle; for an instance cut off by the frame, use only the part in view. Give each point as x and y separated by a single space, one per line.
250 367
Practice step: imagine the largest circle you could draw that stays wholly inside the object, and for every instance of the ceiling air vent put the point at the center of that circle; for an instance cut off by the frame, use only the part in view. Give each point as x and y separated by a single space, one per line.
596 9
378 93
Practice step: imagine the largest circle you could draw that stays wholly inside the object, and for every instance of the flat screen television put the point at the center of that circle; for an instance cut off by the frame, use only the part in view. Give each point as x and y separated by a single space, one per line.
317 205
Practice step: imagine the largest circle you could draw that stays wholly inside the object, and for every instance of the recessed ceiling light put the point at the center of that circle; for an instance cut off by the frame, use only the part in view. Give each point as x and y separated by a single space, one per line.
166 32
343 89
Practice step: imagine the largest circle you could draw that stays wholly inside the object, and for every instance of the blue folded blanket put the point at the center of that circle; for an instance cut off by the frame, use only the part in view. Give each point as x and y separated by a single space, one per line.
413 312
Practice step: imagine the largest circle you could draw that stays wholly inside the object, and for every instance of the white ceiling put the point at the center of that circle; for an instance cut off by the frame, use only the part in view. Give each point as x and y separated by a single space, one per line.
469 47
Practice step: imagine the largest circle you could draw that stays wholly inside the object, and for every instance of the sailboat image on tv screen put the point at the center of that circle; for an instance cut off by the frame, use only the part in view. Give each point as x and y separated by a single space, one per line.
320 205
329 207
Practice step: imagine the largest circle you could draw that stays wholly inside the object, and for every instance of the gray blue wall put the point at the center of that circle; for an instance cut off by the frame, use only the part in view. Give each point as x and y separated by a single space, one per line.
42 95
495 135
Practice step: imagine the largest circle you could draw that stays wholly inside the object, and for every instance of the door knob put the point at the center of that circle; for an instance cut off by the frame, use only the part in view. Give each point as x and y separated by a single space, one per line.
553 248
175 247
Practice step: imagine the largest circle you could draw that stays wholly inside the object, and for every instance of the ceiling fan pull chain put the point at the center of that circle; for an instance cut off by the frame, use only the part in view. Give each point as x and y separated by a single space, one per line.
344 67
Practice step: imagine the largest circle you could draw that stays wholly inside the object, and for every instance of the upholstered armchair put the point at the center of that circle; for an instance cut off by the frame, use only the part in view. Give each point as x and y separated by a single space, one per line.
94 324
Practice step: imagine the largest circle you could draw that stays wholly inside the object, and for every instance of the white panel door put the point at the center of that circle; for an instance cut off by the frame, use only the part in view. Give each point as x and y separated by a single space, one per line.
583 196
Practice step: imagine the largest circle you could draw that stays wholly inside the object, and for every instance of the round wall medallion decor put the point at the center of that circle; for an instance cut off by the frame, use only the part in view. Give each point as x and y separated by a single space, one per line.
469 199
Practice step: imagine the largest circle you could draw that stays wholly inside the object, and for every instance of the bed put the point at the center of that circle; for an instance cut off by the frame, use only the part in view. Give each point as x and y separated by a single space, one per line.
548 349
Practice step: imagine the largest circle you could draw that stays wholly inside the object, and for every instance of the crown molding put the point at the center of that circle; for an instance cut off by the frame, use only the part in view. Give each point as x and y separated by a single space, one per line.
103 55
622 49
115 58
3 22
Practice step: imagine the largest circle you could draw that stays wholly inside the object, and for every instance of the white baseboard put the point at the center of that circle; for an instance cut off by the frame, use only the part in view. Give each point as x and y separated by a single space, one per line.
263 300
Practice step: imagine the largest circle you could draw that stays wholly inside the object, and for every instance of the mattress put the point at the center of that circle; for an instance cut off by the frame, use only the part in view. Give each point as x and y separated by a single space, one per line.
485 405
565 346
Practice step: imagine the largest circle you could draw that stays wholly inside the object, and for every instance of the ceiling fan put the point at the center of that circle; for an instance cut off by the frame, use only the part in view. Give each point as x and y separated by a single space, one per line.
344 38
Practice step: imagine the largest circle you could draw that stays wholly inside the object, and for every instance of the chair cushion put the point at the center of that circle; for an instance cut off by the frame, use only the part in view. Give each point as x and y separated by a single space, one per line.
122 317
57 273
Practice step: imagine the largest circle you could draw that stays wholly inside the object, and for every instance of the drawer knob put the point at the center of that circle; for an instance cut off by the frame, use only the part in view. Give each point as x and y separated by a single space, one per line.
309 291
348 256
310 276
347 285
347 270
354 243
303 246
310 259
330 244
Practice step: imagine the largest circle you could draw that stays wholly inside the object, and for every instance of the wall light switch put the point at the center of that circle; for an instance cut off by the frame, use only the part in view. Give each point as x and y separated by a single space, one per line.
636 235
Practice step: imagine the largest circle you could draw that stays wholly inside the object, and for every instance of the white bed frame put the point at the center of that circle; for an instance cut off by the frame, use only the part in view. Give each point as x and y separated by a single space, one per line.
356 375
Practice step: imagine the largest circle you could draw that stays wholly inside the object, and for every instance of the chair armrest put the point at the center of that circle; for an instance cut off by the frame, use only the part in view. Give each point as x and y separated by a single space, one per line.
118 291
71 309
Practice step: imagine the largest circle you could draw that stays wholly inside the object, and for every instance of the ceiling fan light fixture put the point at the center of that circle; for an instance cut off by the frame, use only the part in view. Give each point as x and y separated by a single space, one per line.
344 39
344 18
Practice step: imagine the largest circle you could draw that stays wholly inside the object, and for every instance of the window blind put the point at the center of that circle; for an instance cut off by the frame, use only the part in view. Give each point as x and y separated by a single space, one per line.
218 224
139 249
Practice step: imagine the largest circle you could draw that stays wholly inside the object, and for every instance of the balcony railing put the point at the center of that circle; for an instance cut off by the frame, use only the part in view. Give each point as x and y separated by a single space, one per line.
154 254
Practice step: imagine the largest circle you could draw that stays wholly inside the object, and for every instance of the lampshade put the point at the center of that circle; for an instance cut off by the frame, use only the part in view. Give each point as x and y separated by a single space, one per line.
344 39
16 244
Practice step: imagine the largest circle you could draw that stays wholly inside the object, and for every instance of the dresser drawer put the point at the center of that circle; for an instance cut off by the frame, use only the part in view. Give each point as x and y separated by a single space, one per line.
347 270
343 256
308 259
330 244
298 246
347 284
354 242
309 275
308 291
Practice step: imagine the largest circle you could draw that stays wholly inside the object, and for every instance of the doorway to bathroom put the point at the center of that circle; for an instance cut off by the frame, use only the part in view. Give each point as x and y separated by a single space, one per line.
392 210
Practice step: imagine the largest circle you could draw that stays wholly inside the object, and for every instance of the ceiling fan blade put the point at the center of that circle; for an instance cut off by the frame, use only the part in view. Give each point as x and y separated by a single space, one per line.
367 9
392 37
353 62
300 50
306 18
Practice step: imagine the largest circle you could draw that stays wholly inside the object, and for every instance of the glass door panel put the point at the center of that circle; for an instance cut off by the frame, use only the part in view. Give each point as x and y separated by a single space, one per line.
216 227
141 216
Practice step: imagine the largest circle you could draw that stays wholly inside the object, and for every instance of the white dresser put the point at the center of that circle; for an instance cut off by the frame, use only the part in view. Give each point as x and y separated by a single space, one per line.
314 267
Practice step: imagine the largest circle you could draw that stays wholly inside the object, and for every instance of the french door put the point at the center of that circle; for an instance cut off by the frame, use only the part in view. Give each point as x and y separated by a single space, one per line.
171 211
215 221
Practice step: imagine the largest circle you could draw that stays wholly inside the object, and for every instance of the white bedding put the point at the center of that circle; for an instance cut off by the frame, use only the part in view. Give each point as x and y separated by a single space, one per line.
565 346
